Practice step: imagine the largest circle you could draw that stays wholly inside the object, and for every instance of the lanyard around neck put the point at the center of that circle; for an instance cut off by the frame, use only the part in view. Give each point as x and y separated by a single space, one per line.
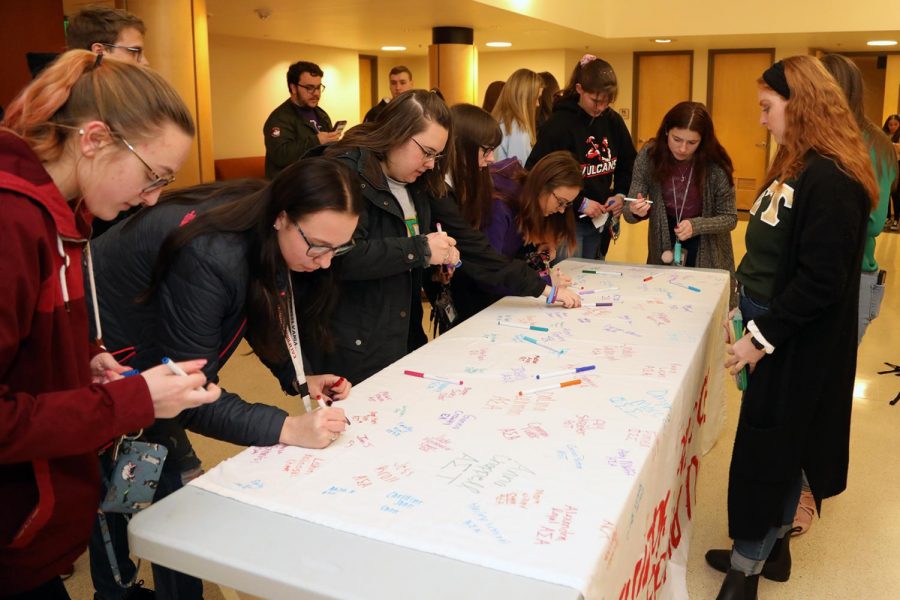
680 212
292 341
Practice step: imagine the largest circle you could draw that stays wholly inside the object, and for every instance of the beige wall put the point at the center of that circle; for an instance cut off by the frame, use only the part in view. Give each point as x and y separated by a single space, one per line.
248 82
498 66
892 87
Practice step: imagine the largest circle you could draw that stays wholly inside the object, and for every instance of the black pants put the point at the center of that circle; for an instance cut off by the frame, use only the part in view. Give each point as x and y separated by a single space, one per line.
52 590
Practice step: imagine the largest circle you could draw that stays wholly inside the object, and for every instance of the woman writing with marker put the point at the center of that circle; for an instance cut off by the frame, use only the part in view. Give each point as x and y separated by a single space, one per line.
205 268
70 147
799 296
583 124
399 161
525 215
683 180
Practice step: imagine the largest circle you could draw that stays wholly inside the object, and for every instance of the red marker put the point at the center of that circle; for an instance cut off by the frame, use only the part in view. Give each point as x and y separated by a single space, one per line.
433 377
337 383
648 278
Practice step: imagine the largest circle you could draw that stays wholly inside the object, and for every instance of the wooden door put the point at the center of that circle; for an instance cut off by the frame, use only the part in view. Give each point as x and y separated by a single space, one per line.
661 81
368 94
734 105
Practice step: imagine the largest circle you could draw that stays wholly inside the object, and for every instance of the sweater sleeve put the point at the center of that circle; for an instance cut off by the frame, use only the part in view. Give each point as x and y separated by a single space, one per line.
827 257
480 261
724 218
640 184
55 423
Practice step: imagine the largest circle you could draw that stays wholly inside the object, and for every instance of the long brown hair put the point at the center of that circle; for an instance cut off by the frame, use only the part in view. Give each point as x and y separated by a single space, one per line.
849 78
405 116
817 118
472 128
555 170
694 117
132 100
305 187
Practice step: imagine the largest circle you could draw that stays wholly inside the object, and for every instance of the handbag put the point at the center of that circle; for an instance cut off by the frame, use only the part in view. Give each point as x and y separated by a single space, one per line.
443 313
130 487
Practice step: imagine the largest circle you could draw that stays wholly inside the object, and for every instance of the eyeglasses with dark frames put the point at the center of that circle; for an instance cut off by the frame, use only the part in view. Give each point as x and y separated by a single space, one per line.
136 52
562 202
157 181
487 149
318 250
428 154
311 89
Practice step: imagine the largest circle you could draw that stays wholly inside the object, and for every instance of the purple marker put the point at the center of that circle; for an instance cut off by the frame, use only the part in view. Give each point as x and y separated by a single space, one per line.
566 372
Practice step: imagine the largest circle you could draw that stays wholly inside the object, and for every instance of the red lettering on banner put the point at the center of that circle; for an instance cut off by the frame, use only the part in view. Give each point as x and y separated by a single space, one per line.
664 531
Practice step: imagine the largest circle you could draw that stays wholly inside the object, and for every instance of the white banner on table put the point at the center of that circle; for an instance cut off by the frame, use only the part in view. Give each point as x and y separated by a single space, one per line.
590 486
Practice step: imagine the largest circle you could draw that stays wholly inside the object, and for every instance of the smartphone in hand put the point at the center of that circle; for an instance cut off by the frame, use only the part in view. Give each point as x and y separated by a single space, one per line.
339 126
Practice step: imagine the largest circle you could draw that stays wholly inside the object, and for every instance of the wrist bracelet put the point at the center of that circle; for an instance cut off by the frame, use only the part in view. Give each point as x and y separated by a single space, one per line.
756 343
551 297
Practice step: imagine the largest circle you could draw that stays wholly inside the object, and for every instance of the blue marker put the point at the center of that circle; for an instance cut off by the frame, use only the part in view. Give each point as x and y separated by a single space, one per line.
517 325
131 373
537 343
566 372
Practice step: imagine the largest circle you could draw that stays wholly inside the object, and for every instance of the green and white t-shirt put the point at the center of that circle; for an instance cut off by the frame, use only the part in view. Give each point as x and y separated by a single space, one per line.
767 238
398 189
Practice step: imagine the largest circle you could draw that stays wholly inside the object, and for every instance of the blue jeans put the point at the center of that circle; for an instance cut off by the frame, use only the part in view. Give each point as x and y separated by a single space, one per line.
169 584
749 556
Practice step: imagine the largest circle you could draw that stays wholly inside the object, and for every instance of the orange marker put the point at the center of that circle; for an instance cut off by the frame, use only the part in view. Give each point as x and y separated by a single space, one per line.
546 388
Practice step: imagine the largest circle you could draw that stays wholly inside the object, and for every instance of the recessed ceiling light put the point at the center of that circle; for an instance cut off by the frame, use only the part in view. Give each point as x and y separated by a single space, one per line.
663 40
498 44
393 48
882 43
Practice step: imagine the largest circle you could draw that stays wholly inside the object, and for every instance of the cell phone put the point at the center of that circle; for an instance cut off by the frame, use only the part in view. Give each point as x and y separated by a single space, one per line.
339 126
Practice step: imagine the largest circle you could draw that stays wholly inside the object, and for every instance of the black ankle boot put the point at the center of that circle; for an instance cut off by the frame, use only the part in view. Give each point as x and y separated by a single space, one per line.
777 567
738 586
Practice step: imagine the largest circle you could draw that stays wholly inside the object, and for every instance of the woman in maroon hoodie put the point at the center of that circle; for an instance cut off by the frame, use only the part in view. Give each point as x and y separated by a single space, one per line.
87 137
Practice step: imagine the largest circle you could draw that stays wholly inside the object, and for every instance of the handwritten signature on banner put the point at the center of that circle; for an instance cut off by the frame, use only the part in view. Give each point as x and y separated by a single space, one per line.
664 534
469 473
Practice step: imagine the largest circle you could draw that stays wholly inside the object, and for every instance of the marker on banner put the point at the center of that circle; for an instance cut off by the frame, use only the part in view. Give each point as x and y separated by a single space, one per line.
596 272
518 326
546 388
433 377
598 304
687 287
531 340
324 402
648 278
584 292
566 372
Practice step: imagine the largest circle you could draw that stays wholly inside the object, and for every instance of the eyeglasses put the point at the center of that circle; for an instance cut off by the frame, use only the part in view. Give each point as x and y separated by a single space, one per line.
312 89
136 52
562 202
487 149
156 181
429 154
317 250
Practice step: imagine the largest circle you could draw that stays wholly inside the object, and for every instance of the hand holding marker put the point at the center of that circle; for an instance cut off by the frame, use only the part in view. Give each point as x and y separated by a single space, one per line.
441 230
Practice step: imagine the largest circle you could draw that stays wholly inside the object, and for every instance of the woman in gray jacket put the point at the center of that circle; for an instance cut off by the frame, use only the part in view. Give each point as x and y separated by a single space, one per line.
683 182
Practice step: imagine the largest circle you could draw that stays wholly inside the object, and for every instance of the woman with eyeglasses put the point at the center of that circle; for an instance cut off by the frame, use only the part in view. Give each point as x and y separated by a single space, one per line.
583 124
378 318
207 267
68 150
525 215
683 182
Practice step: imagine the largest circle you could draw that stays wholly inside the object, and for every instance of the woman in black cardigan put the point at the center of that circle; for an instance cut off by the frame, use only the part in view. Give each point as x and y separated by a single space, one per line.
799 296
